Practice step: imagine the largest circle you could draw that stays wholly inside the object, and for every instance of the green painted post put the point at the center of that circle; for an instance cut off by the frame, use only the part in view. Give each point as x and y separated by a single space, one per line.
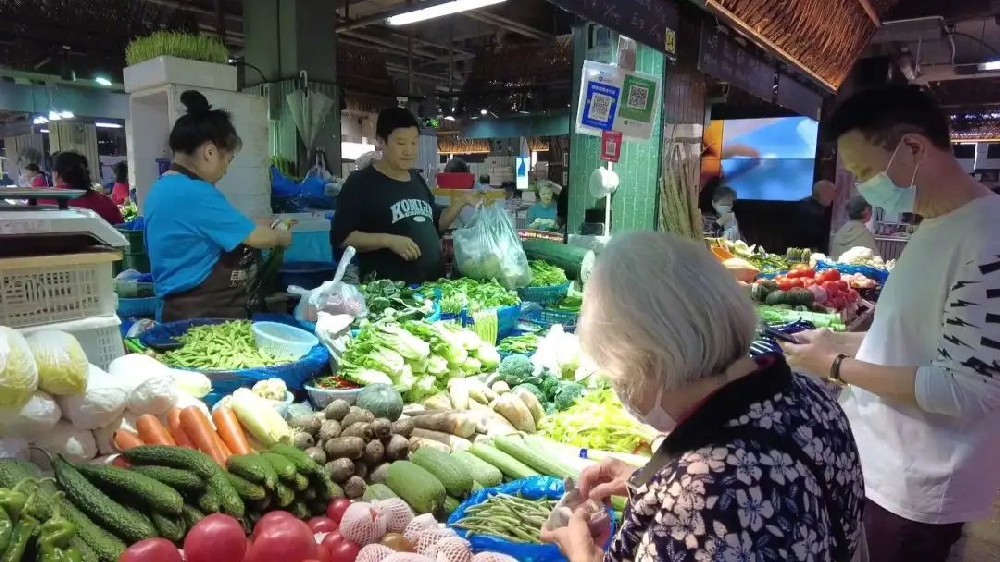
634 205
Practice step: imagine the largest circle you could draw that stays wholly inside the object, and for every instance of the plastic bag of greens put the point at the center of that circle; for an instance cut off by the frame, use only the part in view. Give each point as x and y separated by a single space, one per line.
489 248
332 297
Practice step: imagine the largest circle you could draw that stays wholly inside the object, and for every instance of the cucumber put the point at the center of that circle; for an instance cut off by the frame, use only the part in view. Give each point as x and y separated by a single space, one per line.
303 462
12 472
482 472
105 545
209 502
326 489
192 515
417 487
536 460
106 512
378 492
508 465
300 510
284 467
169 527
197 462
284 495
301 483
134 487
576 261
247 490
254 468
178 479
451 473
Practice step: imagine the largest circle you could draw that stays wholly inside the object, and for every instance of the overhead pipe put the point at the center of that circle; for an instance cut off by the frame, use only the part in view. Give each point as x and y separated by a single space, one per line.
509 25
389 45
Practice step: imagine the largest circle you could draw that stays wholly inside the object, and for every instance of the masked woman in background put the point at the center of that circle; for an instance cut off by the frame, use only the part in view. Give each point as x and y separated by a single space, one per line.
201 249
758 464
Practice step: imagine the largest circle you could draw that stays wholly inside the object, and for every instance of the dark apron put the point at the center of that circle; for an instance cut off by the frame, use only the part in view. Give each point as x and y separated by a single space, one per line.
224 293
768 440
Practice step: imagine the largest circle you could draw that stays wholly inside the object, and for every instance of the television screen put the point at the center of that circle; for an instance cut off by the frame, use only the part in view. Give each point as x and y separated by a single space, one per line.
762 159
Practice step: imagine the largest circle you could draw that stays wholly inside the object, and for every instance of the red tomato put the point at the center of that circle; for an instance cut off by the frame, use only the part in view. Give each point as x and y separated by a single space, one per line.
784 284
216 537
807 282
337 508
269 519
344 551
283 539
331 540
838 302
831 288
322 525
831 275
853 296
152 550
797 282
844 287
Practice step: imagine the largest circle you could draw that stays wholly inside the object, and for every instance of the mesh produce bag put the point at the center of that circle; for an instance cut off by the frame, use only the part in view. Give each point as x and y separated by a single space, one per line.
417 526
374 553
427 541
452 549
362 524
397 514
493 557
407 557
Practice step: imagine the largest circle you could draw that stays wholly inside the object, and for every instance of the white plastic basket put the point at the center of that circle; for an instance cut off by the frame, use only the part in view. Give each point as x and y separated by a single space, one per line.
281 340
100 337
41 290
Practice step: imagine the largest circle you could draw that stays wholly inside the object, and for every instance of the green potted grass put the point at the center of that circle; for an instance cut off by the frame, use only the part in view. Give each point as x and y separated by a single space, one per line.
199 61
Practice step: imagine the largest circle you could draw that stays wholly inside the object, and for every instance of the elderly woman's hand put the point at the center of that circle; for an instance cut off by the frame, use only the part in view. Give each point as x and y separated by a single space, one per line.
815 355
609 478
577 541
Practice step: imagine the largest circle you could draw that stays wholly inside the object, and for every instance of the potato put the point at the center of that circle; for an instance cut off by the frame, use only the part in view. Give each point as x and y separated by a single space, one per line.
357 415
397 448
340 470
316 454
336 410
306 424
303 440
359 429
374 453
355 487
382 428
329 429
345 447
403 427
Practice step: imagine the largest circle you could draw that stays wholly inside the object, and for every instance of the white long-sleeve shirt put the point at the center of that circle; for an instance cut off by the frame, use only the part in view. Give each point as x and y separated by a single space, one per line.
937 463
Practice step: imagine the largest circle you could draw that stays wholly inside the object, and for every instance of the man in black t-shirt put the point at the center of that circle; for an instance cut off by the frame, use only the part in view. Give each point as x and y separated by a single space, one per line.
387 212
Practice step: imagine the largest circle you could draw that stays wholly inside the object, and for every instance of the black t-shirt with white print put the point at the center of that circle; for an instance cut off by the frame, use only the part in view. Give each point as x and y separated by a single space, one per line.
372 202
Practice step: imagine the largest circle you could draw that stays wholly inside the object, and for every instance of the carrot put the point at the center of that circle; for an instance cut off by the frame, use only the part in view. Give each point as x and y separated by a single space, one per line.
231 431
199 430
174 423
226 453
152 432
125 440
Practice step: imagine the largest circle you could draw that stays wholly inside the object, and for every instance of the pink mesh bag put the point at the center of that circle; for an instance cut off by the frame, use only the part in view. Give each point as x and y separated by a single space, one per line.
363 524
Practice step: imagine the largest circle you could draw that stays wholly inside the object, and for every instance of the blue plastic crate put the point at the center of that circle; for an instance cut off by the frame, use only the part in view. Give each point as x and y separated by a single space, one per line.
547 318
544 295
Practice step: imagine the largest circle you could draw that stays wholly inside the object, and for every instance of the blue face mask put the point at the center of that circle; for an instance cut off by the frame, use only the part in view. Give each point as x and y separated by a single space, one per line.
881 191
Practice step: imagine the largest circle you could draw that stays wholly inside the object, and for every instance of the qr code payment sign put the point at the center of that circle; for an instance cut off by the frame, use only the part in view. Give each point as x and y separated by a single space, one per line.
600 107
638 97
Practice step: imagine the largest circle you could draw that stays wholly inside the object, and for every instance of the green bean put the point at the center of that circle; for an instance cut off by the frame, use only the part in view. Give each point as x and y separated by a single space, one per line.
227 346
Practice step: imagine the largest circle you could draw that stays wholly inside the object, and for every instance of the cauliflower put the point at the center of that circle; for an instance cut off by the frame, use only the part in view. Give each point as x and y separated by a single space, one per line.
516 368
271 389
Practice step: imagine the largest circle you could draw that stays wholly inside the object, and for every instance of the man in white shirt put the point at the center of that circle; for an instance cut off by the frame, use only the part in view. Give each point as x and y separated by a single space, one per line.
923 384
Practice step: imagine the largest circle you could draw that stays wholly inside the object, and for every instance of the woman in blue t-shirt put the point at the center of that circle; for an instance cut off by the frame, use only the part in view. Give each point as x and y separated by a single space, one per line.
543 215
201 249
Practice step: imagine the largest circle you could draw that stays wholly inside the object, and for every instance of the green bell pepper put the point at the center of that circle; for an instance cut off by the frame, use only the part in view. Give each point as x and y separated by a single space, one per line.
22 536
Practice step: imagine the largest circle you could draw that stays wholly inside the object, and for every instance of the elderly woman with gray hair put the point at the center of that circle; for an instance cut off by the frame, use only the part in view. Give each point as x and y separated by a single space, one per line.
758 463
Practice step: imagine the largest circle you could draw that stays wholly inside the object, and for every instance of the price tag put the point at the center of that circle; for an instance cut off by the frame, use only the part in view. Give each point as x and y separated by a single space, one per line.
611 146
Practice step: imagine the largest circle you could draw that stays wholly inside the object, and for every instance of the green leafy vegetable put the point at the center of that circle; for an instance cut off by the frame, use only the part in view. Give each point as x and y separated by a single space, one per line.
545 275
471 295
598 421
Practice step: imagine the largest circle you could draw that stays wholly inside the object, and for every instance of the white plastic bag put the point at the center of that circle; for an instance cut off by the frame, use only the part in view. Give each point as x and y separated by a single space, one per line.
32 419
135 368
489 248
155 396
105 436
78 445
16 449
18 371
101 405
333 297
62 363
191 383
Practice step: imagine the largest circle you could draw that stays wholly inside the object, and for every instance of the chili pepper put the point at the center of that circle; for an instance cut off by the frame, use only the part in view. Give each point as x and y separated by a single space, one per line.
12 501
22 535
57 532
6 530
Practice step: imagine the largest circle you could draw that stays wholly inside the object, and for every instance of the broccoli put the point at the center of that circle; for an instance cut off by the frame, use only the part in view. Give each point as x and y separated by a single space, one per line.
532 389
567 395
515 369
548 384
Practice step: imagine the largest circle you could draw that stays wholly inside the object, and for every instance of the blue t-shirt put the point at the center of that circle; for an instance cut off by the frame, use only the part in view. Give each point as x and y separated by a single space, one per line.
189 225
539 211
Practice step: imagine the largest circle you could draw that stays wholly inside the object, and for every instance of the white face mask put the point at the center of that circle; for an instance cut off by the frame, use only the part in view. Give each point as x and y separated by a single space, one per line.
881 191
656 417
723 209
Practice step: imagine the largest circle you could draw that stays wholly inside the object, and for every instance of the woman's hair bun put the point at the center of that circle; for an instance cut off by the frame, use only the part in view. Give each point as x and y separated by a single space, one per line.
195 102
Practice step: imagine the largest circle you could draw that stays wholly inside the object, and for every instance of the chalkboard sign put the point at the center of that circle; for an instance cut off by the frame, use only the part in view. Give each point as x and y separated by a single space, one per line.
650 22
719 55
797 97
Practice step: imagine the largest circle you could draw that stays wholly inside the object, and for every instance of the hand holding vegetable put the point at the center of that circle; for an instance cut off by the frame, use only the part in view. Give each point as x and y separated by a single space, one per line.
609 478
575 539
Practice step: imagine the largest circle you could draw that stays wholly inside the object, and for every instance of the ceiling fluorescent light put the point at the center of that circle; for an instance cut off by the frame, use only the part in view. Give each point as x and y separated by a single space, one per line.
43 131
989 66
101 80
424 14
103 125
40 120
54 116
66 114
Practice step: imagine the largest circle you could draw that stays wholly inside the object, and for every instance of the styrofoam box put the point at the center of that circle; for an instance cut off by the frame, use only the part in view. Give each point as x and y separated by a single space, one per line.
181 72
100 337
42 290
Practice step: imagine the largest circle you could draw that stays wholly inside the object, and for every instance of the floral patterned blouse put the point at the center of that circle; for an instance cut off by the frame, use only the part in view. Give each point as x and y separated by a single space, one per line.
765 470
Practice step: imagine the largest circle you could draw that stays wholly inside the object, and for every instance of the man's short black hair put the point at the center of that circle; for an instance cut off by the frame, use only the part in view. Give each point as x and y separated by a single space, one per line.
392 119
456 166
723 191
857 207
886 113
32 167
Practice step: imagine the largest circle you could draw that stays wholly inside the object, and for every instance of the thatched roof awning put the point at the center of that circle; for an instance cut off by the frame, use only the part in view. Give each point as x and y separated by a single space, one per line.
453 144
823 37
